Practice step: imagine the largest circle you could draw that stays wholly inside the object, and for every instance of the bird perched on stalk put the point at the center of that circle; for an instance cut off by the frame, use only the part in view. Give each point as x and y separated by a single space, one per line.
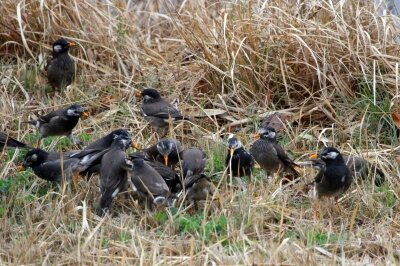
238 159
60 122
60 68
157 111
267 152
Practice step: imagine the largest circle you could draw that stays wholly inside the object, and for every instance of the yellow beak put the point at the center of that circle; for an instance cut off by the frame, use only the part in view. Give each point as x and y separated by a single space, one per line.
166 159
71 43
231 151
21 168
135 146
138 94
314 156
85 114
257 135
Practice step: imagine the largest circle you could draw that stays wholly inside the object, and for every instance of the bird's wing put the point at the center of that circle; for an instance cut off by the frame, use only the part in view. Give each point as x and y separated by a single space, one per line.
7 141
161 109
284 157
52 117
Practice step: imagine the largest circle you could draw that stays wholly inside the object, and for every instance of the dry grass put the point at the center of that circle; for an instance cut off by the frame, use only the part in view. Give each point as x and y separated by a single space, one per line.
333 66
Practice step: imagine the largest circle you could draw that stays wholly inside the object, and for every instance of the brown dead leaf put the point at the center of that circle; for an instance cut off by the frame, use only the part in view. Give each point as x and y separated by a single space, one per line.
396 119
276 120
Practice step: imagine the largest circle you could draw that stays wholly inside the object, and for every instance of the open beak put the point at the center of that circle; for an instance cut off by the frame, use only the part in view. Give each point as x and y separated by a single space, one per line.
71 43
166 159
21 168
257 136
138 94
135 146
314 156
231 151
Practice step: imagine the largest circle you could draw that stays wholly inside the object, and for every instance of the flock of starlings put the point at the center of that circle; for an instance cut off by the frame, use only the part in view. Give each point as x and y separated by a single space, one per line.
152 170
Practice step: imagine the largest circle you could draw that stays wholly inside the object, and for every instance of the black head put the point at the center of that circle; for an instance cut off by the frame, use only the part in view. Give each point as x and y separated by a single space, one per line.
62 46
233 144
138 163
122 142
120 133
150 94
165 146
35 157
267 133
75 110
330 154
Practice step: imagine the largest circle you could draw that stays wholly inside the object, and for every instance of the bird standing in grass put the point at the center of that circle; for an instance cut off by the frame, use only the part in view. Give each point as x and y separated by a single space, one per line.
193 162
59 123
157 111
61 67
149 184
267 152
198 187
165 151
238 159
114 172
333 178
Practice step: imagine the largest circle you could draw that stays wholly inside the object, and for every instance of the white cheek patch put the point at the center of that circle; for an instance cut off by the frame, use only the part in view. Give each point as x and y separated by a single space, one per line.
231 136
57 48
114 194
147 97
71 112
332 155
271 135
134 188
38 124
343 178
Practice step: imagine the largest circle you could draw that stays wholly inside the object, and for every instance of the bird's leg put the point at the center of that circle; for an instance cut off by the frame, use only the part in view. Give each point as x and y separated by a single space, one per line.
242 186
73 139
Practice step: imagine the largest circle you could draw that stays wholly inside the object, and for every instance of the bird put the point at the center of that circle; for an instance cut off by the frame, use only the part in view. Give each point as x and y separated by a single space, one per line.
169 175
60 68
157 111
166 151
238 159
193 162
362 169
101 144
267 152
59 123
57 167
114 172
198 187
7 141
333 178
149 184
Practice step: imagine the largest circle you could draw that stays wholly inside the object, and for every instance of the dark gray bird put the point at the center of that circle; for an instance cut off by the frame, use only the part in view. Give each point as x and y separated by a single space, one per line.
169 175
166 151
157 111
362 169
148 183
238 159
61 67
270 155
193 162
7 141
54 166
198 187
60 122
101 144
333 178
114 172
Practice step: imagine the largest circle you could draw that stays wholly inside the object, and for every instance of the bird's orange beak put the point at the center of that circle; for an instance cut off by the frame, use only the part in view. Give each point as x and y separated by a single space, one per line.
166 159
257 135
135 146
138 94
21 168
71 43
231 151
314 156
85 114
